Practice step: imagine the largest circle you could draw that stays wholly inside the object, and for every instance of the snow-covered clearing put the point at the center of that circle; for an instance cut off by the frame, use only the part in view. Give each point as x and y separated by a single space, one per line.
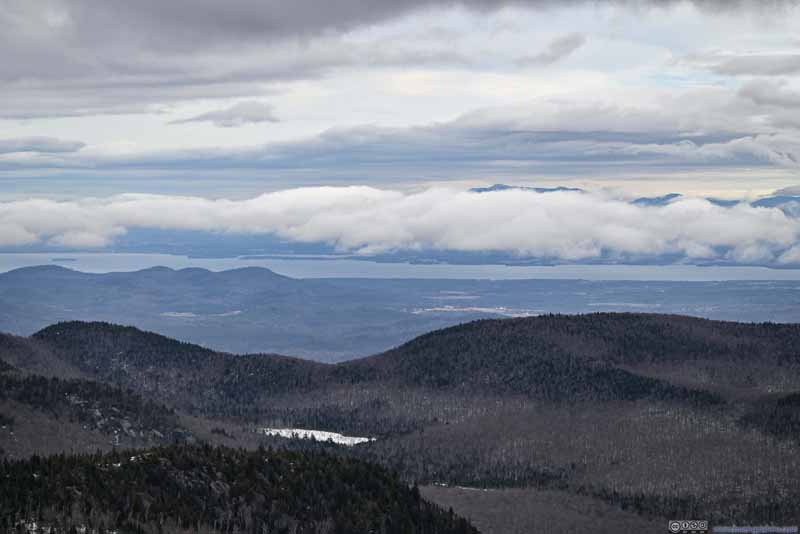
319 435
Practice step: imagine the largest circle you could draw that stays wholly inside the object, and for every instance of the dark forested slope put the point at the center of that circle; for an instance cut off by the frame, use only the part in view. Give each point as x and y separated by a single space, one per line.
553 358
35 357
51 414
777 416
600 355
615 407
182 375
205 489
545 357
614 338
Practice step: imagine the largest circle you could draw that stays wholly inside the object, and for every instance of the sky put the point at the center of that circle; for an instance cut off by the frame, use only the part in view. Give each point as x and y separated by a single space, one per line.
306 107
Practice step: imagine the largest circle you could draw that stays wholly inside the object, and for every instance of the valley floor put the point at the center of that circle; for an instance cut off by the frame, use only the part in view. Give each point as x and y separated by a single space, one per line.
527 511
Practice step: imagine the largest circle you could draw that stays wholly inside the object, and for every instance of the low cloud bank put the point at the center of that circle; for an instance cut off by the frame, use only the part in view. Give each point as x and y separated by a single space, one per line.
565 225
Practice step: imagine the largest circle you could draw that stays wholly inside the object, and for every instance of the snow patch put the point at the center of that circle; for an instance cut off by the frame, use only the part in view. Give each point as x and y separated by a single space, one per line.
500 310
625 304
228 314
192 315
319 435
179 315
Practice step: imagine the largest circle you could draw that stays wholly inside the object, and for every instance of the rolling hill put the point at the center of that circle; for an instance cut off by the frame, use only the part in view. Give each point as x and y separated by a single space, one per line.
656 415
178 488
45 414
515 357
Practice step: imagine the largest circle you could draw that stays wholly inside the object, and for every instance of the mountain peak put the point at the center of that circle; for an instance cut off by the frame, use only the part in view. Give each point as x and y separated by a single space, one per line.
42 270
503 187
662 200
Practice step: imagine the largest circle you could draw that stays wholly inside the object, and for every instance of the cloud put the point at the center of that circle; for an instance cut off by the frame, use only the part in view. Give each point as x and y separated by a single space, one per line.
748 64
770 93
791 256
650 130
563 138
558 49
187 24
77 68
83 57
569 226
760 65
239 114
791 191
39 144
773 149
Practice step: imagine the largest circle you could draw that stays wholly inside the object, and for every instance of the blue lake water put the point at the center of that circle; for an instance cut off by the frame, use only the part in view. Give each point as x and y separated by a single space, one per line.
305 267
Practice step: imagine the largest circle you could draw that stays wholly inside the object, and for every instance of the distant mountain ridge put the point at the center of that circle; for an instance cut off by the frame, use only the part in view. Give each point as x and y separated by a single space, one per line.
656 201
248 308
503 187
253 309
776 201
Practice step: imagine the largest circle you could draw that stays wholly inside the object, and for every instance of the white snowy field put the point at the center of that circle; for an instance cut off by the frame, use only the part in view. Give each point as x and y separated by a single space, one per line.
319 435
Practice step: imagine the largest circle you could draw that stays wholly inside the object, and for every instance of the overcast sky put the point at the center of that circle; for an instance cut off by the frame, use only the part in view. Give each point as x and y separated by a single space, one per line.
234 99
247 96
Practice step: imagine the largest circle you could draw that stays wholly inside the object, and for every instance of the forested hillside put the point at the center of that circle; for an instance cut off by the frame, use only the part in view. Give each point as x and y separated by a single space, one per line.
777 416
486 357
205 489
619 339
183 375
662 416
52 414
528 357
549 357
35 357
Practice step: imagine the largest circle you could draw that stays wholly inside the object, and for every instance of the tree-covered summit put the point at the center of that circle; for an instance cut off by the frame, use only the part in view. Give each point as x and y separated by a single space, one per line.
208 489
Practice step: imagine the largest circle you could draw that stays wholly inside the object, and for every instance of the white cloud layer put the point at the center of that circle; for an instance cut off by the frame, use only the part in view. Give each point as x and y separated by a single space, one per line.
570 226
